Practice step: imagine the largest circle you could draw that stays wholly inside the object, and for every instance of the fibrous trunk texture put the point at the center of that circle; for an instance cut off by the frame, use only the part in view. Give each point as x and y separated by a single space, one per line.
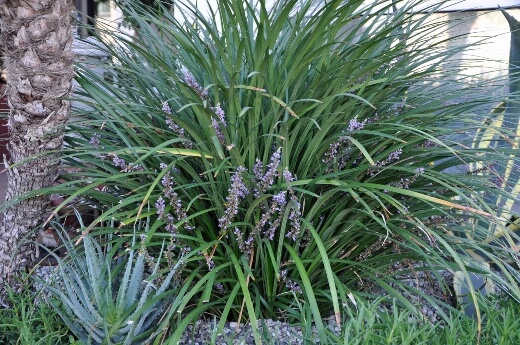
36 40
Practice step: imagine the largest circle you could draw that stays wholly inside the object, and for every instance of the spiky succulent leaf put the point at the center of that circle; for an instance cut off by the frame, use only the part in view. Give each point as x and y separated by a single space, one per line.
83 294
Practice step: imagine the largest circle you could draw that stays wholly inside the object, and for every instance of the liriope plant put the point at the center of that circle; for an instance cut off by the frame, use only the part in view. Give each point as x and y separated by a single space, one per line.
308 150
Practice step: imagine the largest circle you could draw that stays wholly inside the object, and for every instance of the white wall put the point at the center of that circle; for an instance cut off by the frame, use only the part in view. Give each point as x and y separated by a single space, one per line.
463 5
490 30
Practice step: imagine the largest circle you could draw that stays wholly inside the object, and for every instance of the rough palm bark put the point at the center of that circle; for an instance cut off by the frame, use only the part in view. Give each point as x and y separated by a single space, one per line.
36 40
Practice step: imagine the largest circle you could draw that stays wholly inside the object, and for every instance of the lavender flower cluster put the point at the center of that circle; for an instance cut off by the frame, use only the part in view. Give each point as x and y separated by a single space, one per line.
119 163
217 110
428 144
94 140
269 222
272 213
124 167
295 213
264 181
405 182
398 107
177 213
191 82
221 115
338 152
392 157
166 108
218 122
355 125
175 128
236 193
290 284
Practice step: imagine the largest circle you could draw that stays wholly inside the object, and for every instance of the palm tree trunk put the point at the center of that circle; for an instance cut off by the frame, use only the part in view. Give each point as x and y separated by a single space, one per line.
37 40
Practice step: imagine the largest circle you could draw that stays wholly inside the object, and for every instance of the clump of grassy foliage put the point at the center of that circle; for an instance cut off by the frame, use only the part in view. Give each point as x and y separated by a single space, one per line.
27 320
302 149
370 325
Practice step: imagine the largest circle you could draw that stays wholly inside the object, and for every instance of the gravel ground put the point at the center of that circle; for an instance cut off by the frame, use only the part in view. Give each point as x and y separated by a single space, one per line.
274 333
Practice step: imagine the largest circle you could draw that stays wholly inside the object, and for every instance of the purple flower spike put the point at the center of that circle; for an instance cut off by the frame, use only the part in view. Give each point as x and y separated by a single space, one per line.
354 125
175 128
220 114
279 199
337 152
272 172
237 184
166 108
220 135
293 286
295 218
394 156
160 205
257 170
288 176
220 288
283 274
236 193
170 225
120 163
94 140
190 80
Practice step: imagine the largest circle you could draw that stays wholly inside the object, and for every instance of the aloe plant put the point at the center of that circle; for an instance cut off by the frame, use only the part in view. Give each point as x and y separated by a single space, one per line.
107 296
